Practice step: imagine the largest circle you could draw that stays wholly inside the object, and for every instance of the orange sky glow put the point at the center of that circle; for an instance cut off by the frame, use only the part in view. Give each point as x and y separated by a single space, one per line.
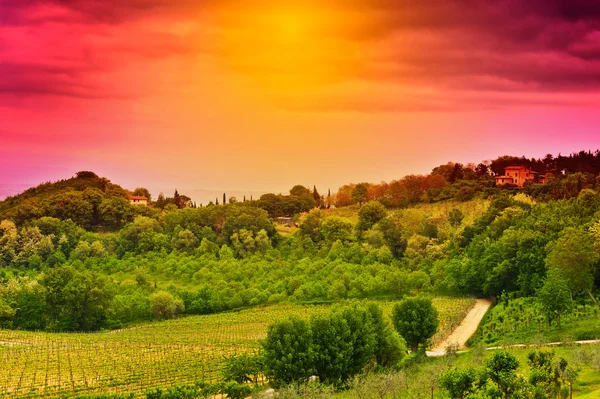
260 95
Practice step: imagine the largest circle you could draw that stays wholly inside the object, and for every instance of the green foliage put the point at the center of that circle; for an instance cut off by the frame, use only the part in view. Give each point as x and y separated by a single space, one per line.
171 351
455 217
201 389
332 347
115 212
360 192
245 368
335 346
75 300
459 382
311 225
336 228
416 320
241 217
554 296
288 352
164 305
390 348
143 192
574 257
501 369
369 214
393 236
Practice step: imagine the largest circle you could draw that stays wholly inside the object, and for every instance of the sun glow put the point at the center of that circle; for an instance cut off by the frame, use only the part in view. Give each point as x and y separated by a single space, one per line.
286 50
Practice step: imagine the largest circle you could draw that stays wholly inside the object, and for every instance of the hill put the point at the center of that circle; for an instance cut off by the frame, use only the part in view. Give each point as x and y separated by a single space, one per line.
85 199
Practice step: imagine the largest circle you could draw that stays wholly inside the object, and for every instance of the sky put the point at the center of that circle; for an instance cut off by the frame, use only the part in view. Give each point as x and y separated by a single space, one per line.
259 95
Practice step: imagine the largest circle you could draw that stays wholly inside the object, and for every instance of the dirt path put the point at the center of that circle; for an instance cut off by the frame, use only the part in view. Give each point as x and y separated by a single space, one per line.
465 330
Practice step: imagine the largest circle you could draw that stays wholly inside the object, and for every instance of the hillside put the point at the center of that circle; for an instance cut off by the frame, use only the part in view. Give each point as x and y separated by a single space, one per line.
85 199
541 255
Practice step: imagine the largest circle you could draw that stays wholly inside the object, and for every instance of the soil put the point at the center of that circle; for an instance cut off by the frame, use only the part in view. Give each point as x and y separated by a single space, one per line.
466 328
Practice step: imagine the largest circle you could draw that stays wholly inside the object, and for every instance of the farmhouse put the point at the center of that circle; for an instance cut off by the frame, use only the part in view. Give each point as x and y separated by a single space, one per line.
517 175
138 200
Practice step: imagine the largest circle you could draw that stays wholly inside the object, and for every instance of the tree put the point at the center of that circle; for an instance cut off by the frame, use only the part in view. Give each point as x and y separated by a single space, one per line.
75 300
8 242
161 201
465 193
185 241
574 256
359 193
482 170
72 205
553 296
316 196
545 376
369 214
336 228
244 368
249 218
363 336
95 296
243 242
332 347
6 311
501 369
416 320
28 300
164 305
392 234
288 352
390 348
455 217
311 225
86 175
116 212
459 382
300 191
143 192
54 282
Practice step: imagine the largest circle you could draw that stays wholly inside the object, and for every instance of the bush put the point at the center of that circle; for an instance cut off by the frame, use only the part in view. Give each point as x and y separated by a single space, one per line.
164 305
243 368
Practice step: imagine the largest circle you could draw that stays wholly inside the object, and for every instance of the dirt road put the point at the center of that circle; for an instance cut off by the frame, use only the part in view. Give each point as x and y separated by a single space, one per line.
466 328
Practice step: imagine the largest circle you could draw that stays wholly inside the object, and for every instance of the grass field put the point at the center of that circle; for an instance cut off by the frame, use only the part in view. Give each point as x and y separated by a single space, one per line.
155 354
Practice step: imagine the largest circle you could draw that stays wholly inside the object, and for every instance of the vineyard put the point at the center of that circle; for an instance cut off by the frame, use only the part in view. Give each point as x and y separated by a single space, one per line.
157 354
523 319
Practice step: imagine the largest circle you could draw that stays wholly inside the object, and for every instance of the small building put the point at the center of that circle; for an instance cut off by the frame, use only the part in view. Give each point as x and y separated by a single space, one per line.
516 175
138 200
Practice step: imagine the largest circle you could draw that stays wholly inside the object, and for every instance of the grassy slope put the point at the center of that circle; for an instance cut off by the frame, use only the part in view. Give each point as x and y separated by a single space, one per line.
500 327
417 381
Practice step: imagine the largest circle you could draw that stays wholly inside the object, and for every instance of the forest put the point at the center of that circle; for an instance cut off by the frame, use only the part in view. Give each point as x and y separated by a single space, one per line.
75 255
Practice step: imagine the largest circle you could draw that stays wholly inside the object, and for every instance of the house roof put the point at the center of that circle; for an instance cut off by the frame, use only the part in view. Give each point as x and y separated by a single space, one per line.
138 197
